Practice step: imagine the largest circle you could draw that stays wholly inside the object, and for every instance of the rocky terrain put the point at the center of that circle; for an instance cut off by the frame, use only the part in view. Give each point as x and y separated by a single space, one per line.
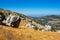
24 19
26 30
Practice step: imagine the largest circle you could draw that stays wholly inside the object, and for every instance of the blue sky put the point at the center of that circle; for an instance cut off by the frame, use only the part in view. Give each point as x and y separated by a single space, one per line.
32 7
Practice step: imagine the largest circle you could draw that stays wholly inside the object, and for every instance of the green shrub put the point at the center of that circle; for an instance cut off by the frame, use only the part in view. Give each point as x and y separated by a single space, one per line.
3 17
36 28
53 29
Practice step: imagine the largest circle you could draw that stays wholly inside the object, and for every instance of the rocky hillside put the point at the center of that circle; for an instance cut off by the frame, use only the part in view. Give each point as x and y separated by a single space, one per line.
8 33
25 29
25 19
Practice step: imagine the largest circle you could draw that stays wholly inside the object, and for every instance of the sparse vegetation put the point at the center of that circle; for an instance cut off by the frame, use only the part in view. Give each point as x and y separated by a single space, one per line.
36 28
38 21
53 29
8 33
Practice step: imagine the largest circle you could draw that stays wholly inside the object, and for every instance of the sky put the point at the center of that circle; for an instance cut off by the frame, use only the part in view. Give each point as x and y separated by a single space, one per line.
33 8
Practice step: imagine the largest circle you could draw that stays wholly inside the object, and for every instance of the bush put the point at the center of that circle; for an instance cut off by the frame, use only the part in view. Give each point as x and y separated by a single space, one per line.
3 17
36 28
53 29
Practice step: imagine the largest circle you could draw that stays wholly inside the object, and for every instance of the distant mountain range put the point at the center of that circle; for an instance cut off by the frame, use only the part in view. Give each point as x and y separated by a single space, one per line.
53 20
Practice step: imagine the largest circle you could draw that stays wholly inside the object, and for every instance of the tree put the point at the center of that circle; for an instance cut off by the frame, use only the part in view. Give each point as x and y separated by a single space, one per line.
3 17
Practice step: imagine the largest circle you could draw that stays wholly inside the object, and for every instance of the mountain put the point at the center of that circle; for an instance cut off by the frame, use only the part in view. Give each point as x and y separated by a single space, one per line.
52 20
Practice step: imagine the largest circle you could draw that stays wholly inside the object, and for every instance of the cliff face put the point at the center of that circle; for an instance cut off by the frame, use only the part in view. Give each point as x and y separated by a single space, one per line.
8 33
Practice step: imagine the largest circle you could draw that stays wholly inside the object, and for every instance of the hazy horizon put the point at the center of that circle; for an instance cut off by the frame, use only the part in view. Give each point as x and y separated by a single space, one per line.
32 7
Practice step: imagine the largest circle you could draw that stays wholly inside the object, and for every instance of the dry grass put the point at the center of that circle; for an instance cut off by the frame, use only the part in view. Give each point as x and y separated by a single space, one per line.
8 33
22 24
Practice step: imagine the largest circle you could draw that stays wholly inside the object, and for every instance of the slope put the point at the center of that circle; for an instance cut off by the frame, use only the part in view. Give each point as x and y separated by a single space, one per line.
8 33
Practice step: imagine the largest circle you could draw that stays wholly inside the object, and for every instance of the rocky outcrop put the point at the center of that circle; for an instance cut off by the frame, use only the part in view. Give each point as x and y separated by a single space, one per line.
23 17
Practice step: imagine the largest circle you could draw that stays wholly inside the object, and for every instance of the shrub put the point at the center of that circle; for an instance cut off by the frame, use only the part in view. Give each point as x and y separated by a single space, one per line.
3 17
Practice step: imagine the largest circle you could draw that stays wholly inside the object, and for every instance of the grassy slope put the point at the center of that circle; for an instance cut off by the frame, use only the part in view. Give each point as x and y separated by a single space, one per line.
8 33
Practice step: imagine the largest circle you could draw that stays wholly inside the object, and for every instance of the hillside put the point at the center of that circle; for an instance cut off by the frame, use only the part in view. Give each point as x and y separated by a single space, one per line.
8 33
22 29
23 17
52 20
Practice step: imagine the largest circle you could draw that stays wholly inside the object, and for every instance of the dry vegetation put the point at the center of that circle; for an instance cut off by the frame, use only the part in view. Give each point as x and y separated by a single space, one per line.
8 33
